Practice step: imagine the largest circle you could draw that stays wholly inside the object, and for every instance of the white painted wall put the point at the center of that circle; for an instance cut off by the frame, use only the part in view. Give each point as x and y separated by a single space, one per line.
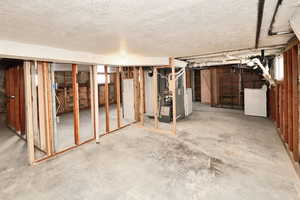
255 102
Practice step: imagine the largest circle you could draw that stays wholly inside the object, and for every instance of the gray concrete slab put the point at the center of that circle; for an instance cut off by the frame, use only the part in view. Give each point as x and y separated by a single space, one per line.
216 154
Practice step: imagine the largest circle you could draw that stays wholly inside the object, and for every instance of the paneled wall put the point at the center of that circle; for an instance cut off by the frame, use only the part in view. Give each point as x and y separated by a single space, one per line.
223 86
14 93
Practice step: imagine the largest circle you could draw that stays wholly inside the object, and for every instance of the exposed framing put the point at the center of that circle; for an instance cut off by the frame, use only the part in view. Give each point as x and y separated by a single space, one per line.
120 74
286 102
155 97
106 93
44 98
118 93
76 104
28 111
171 63
142 101
45 108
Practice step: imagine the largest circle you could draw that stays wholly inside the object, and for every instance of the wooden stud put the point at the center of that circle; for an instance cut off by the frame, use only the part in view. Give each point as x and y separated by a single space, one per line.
75 103
142 106
171 63
155 105
185 91
295 102
285 98
22 102
276 105
34 104
106 93
11 121
17 124
92 103
282 124
28 111
96 101
289 101
136 94
118 93
48 108
41 106
7 92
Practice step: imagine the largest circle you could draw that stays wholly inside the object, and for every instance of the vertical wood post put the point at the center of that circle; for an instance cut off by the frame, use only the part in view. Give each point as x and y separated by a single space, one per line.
48 108
92 102
95 101
75 103
290 101
136 94
28 111
17 124
141 71
295 102
285 100
118 87
155 97
171 63
37 140
41 106
106 93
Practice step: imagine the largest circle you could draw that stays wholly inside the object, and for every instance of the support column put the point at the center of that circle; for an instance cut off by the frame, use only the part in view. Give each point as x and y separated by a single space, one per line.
75 103
118 87
295 102
171 63
94 101
142 89
28 112
106 93
155 97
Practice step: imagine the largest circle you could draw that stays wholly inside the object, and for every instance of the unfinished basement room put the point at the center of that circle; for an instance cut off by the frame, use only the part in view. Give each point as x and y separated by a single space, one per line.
149 100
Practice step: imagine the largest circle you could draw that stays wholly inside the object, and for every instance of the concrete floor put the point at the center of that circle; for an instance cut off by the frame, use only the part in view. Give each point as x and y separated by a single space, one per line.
65 126
216 154
13 152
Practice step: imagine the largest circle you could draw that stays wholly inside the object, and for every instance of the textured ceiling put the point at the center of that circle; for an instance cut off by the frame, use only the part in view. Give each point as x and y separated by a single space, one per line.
147 28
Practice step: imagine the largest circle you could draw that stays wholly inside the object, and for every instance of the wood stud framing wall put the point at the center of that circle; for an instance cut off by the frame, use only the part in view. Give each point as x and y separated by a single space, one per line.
28 111
39 100
284 101
156 127
44 98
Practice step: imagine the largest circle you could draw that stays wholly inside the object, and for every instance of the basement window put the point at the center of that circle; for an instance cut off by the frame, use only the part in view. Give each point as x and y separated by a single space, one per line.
278 70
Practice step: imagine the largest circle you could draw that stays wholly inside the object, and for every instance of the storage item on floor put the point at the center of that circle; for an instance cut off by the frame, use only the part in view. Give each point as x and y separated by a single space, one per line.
256 102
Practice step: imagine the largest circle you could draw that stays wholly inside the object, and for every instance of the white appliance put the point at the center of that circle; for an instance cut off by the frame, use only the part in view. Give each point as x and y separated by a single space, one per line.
255 101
